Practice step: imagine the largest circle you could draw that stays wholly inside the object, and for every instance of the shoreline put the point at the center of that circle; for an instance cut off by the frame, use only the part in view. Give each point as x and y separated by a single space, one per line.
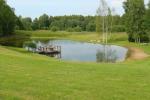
136 54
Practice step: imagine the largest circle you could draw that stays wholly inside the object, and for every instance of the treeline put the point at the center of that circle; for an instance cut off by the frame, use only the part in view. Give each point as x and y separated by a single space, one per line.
71 23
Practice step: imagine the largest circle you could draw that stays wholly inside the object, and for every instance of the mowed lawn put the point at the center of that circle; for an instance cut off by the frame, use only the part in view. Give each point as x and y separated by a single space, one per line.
27 76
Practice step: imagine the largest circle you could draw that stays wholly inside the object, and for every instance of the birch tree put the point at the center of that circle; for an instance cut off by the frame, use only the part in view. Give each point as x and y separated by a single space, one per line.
105 15
104 12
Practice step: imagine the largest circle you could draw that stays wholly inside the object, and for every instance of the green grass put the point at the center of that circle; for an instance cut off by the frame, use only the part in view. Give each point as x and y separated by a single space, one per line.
80 36
27 76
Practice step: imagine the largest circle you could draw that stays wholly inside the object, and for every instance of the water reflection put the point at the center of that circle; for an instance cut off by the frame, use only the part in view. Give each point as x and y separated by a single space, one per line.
54 55
106 55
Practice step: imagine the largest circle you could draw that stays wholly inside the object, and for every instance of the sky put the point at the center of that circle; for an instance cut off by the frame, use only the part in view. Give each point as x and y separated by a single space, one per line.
35 8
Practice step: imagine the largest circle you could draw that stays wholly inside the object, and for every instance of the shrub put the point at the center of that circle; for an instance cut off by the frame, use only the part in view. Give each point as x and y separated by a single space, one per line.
44 28
30 44
70 30
54 29
144 38
78 29
90 27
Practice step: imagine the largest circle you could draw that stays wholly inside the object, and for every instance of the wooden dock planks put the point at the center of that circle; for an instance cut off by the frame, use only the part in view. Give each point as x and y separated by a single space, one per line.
49 50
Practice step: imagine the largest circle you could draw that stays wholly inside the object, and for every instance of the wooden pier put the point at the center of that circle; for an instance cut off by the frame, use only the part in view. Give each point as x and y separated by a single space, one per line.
49 50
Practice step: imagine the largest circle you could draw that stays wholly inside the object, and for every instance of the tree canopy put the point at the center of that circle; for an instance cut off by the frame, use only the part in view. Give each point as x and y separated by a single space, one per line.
69 23
7 19
134 12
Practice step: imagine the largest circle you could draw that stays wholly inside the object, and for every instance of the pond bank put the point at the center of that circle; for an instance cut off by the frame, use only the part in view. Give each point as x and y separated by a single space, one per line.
136 54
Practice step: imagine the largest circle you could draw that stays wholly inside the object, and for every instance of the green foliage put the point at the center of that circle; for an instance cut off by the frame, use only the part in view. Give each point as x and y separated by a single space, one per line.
30 44
90 27
147 19
78 29
1 32
7 19
65 23
35 24
19 24
8 22
70 30
148 35
145 37
135 10
54 29
44 21
27 23
57 24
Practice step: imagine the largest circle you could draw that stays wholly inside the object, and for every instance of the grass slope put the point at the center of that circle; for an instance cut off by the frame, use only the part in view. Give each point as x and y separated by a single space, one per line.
27 76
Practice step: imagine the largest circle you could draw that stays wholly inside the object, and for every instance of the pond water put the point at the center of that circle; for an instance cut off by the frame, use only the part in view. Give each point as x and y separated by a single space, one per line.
87 52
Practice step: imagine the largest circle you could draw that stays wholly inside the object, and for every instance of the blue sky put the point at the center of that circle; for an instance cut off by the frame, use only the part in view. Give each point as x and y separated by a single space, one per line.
35 8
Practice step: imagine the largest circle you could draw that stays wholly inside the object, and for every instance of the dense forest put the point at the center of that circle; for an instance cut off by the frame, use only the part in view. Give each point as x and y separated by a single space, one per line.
71 23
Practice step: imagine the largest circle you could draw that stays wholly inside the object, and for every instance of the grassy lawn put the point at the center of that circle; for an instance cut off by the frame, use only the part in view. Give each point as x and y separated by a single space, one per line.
27 76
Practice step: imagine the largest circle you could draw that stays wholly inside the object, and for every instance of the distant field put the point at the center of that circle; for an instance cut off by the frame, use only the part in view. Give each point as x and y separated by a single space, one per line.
28 76
81 36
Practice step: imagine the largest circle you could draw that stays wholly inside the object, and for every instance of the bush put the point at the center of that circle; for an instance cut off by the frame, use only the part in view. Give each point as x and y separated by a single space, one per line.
70 30
44 28
30 45
148 34
77 29
144 38
90 27
54 29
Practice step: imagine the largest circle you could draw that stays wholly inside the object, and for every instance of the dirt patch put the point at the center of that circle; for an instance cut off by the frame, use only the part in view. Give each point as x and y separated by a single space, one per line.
136 54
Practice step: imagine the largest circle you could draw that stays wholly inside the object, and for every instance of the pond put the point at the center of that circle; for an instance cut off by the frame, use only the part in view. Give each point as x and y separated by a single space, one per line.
87 52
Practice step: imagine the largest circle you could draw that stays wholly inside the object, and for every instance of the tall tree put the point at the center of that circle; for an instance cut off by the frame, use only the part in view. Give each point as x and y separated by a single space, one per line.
44 21
135 10
27 22
35 24
147 21
19 24
7 18
147 18
104 16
